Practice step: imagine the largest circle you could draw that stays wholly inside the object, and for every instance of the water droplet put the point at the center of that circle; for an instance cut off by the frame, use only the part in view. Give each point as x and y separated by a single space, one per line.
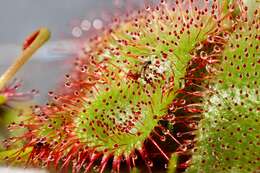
85 25
179 134
182 101
50 158
95 168
226 36
76 32
147 8
166 131
87 47
217 48
44 165
193 53
188 142
231 8
203 55
97 24
150 163
210 39
193 125
135 156
163 138
163 2
183 148
199 46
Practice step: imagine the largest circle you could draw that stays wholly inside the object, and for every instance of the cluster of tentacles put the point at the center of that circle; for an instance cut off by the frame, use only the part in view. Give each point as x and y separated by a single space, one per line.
11 94
137 94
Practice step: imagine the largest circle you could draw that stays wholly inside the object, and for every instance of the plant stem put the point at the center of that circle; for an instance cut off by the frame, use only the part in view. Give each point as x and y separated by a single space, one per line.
33 43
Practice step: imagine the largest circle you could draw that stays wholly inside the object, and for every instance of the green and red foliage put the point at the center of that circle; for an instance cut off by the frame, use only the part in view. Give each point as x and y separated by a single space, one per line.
138 94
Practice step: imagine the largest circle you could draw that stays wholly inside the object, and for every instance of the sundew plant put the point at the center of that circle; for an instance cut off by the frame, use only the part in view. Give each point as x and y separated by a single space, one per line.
172 87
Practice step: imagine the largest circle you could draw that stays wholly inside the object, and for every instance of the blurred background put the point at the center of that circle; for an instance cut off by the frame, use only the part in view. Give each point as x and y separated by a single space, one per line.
70 22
